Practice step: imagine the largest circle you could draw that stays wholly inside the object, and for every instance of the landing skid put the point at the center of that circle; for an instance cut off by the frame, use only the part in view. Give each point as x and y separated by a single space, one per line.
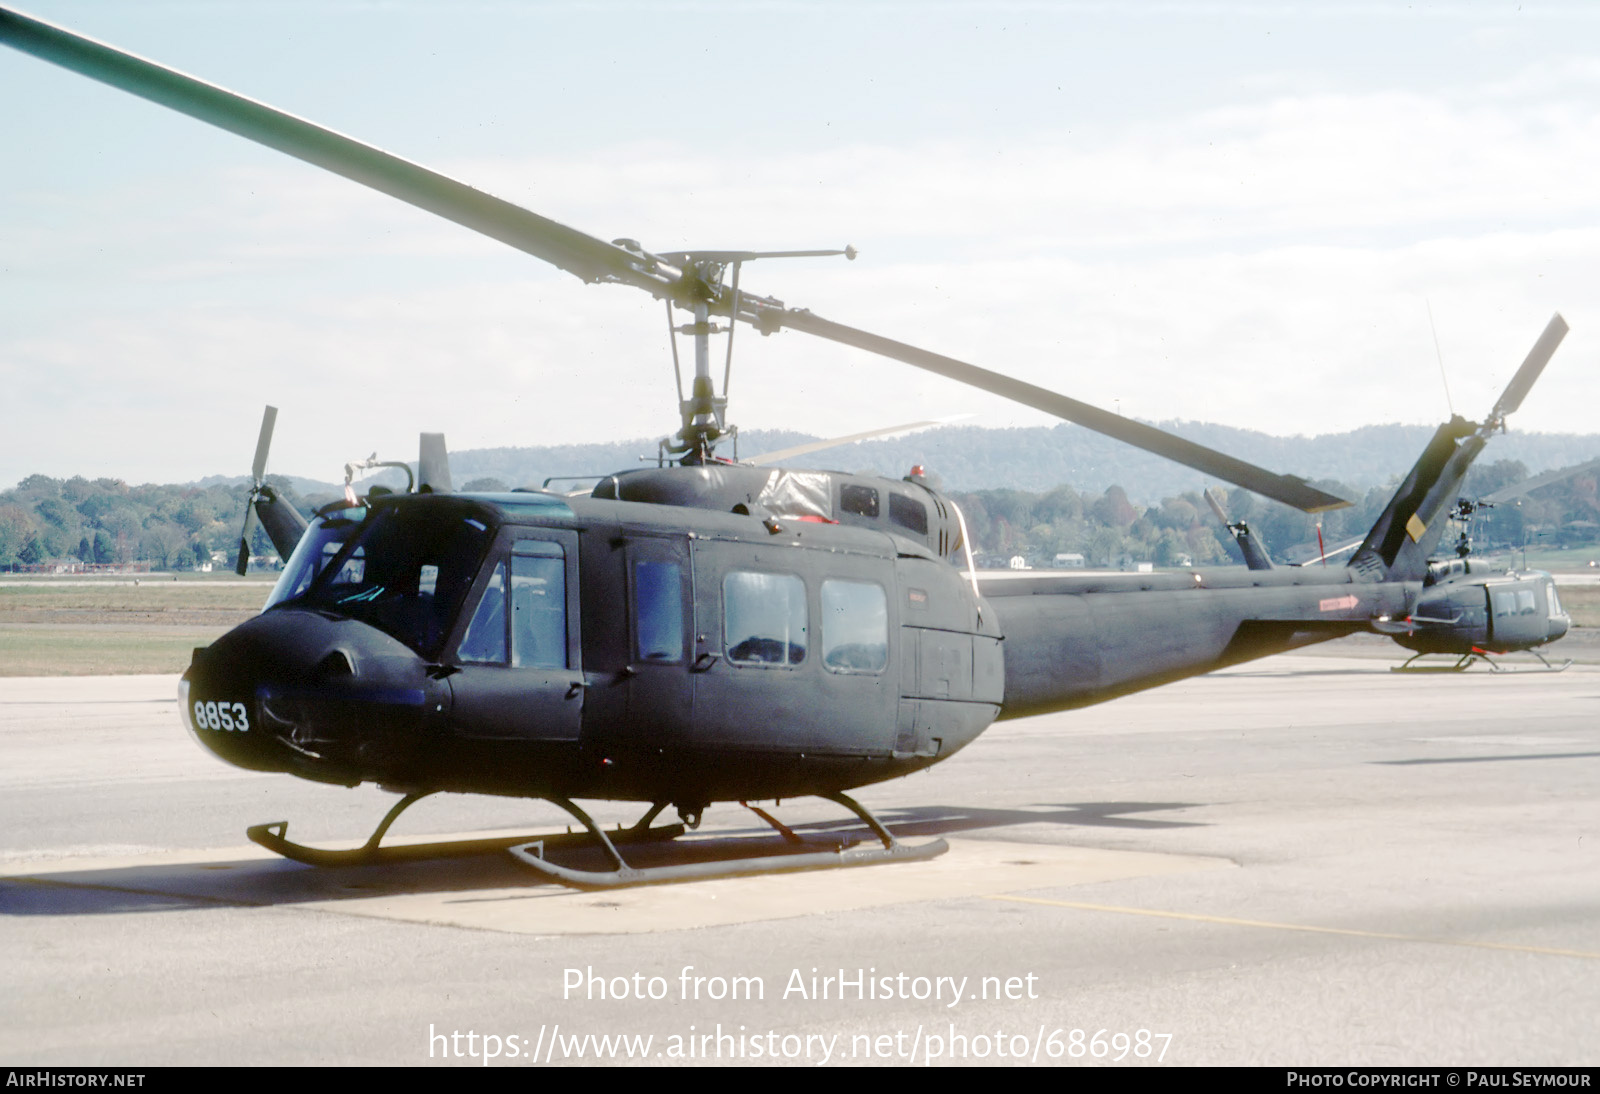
274 838
836 854
810 853
1465 661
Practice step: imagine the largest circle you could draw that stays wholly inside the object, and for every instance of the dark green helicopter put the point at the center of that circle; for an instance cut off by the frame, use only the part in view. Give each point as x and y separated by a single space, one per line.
1469 611
705 630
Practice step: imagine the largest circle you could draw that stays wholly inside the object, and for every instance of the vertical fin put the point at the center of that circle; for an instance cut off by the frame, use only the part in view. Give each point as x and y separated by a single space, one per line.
283 522
433 465
1409 528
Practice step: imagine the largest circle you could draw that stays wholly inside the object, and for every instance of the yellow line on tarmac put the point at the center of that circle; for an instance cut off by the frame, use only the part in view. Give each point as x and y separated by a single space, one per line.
1231 922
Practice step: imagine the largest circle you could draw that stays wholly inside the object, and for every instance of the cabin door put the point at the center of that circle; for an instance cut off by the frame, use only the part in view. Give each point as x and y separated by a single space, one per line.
518 672
793 650
660 625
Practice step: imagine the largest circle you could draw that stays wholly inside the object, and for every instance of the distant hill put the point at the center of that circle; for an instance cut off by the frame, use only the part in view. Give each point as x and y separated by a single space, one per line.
1037 459
1034 492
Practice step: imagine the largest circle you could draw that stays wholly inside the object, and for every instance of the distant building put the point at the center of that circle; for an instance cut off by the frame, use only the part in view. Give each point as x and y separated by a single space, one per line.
70 566
1069 560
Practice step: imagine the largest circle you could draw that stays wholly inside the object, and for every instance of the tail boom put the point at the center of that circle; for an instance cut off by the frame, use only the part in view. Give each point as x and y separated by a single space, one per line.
1076 640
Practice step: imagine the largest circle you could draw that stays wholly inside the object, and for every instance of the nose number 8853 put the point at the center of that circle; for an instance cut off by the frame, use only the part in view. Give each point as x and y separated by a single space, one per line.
229 717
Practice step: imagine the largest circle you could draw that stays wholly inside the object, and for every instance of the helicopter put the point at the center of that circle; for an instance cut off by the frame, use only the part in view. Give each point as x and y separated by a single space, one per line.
706 630
1468 612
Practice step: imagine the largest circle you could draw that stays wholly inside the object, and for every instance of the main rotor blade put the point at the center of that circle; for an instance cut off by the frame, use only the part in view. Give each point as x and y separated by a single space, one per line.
258 468
767 459
585 256
1285 488
1527 486
1523 381
571 250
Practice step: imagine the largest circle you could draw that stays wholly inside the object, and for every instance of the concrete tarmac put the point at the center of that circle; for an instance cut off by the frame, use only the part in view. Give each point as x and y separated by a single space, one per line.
1308 860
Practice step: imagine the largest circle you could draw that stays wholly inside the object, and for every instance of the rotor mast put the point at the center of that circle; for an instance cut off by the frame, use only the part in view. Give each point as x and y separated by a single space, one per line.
704 412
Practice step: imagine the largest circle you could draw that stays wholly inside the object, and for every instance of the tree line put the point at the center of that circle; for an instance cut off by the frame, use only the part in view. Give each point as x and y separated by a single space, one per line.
181 527
46 520
1108 529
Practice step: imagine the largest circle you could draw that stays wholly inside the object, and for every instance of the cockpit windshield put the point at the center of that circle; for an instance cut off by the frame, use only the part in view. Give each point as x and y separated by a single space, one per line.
326 537
405 572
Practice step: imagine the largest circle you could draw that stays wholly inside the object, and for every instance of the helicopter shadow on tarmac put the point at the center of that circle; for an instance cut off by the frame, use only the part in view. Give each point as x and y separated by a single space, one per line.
143 886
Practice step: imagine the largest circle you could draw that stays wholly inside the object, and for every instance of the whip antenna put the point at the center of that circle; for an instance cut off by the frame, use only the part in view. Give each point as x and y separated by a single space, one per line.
1448 402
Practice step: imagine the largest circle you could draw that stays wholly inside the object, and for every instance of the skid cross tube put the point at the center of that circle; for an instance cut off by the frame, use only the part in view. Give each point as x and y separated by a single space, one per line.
1466 661
839 854
274 837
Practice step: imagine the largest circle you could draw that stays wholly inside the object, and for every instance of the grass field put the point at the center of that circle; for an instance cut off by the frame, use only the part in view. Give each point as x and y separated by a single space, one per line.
1582 603
122 595
111 627
98 650
1556 560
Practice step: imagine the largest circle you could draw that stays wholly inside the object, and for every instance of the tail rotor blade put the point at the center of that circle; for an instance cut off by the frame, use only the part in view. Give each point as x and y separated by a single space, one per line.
244 536
1523 381
258 468
258 471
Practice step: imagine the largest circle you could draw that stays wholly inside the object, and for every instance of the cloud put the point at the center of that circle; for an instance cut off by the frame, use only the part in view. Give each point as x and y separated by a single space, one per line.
1263 264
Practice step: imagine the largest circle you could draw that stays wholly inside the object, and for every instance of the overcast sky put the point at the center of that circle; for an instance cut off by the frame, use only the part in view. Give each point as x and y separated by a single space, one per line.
1228 212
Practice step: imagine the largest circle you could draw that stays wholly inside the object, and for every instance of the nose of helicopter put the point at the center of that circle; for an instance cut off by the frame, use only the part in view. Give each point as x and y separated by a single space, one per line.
1558 626
301 692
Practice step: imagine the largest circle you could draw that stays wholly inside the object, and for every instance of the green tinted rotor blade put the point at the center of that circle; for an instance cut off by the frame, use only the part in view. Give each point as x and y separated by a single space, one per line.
1285 488
571 250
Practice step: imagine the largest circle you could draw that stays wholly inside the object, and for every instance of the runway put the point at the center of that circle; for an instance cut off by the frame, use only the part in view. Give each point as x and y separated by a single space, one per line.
1309 860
